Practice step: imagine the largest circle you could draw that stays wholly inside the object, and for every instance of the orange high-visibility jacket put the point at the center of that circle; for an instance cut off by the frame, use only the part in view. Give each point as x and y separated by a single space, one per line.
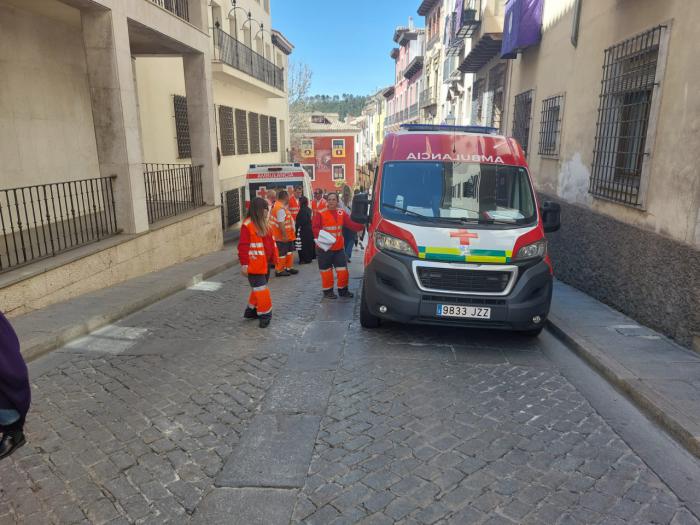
317 206
333 222
288 223
293 206
252 249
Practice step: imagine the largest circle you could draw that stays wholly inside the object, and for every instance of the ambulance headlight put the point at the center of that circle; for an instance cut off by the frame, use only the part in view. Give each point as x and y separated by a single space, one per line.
387 243
535 250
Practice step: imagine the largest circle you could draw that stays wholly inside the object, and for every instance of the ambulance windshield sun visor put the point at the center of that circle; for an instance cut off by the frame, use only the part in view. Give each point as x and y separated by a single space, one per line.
446 193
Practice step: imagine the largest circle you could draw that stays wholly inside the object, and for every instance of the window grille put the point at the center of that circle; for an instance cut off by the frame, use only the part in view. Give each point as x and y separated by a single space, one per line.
496 89
273 134
477 101
264 134
629 79
241 132
550 125
182 127
233 206
228 145
254 132
522 116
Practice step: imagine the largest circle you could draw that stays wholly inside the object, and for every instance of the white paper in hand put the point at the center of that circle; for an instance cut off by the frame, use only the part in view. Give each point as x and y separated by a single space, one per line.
325 240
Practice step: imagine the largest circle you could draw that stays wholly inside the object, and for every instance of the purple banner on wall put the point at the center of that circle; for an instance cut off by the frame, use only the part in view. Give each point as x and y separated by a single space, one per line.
522 26
458 16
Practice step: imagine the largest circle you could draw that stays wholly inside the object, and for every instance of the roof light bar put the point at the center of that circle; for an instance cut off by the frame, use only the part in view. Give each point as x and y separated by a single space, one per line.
484 130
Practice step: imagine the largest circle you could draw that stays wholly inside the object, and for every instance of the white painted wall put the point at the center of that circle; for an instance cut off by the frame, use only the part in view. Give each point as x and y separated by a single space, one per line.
46 125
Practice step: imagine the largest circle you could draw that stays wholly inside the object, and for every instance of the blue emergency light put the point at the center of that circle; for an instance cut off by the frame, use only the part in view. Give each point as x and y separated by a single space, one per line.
484 130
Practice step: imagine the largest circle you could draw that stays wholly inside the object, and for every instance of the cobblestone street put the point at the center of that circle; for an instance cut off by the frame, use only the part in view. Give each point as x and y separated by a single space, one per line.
185 412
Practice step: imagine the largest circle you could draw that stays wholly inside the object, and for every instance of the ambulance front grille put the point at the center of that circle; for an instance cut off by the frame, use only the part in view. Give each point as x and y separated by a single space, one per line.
465 281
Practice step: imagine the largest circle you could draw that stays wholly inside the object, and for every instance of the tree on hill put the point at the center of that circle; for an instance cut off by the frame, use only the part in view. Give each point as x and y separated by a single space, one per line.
345 104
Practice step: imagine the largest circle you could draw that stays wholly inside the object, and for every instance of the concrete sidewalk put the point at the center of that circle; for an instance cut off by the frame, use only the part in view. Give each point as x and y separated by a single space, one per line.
49 328
660 376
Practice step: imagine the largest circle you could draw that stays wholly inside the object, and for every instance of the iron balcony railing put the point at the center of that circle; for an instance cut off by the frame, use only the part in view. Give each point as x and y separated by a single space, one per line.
172 189
413 111
428 98
179 8
239 56
47 219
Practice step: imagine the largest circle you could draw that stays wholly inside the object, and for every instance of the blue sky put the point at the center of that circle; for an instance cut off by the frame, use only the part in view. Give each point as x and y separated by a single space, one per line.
346 44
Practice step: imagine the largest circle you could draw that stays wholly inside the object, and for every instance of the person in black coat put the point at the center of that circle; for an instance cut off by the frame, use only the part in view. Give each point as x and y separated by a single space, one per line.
15 394
304 232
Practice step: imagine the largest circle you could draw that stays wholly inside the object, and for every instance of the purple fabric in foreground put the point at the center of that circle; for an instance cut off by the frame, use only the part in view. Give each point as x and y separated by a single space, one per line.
14 378
522 26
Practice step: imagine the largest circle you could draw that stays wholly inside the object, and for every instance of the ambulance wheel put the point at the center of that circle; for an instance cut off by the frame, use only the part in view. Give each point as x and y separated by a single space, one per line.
533 333
367 319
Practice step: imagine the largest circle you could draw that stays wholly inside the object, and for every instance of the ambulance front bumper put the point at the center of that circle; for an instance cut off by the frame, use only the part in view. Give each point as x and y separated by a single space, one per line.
391 292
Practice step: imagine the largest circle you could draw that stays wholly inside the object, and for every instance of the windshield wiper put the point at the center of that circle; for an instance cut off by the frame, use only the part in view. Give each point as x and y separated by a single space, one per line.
409 212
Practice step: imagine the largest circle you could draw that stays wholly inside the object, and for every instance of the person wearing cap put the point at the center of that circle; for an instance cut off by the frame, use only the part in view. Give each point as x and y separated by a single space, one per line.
330 247
318 204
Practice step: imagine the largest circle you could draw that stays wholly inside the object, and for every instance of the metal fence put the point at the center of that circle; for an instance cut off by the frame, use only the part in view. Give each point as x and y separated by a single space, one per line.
239 56
627 89
172 189
44 220
179 8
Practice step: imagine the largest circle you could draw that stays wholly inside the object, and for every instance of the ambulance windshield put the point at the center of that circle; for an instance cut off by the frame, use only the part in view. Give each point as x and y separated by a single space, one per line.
459 192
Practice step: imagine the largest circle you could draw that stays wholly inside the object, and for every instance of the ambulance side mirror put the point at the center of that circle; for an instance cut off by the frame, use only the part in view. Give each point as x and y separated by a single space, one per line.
360 208
551 216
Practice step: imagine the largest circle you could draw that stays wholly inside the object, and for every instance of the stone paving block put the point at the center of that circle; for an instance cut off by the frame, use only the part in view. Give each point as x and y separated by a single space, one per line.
275 451
300 392
246 506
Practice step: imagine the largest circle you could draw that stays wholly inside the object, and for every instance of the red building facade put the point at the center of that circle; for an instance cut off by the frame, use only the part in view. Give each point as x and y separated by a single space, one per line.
331 162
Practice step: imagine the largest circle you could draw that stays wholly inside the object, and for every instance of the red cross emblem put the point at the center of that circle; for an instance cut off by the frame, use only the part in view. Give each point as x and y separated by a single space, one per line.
262 192
464 236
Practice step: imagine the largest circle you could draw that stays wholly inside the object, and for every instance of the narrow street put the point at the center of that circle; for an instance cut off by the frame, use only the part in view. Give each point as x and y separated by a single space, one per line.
185 412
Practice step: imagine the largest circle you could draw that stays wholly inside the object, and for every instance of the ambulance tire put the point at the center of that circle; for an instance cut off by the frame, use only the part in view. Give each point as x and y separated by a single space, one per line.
367 319
533 333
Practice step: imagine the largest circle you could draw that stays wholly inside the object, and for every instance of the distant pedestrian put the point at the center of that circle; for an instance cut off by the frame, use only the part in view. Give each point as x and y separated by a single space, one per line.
15 393
318 204
256 250
305 232
349 236
271 197
294 202
284 235
330 252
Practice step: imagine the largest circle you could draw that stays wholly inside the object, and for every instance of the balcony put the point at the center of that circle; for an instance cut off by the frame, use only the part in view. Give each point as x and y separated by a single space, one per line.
428 98
433 40
469 20
171 189
413 67
237 55
179 8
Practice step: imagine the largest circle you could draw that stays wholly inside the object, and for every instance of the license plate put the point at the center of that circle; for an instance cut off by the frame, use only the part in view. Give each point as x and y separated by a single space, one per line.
466 312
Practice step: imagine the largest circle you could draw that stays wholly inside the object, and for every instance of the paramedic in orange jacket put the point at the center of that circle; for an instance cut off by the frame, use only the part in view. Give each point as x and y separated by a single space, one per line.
284 233
318 203
256 249
294 202
332 221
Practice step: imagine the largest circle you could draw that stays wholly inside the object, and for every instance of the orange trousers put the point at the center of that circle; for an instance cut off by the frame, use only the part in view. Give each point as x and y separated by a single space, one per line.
260 297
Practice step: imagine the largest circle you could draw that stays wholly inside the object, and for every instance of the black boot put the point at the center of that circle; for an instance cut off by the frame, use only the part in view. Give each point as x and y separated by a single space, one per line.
250 313
329 294
283 273
293 271
11 441
265 320
344 292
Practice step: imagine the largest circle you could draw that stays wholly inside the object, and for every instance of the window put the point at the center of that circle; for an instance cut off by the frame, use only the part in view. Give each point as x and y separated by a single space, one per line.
241 132
273 134
182 128
310 170
477 101
264 134
254 132
522 111
338 171
497 78
228 145
550 125
629 80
